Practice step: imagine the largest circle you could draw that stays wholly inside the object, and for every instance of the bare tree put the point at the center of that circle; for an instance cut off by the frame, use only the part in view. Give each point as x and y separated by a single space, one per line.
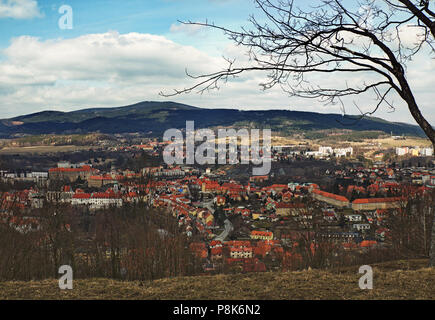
353 37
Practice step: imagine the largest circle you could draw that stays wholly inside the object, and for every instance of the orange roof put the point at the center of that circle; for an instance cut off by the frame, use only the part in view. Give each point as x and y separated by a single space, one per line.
81 196
330 195
106 177
104 195
261 233
377 200
215 251
83 168
367 243
289 205
274 186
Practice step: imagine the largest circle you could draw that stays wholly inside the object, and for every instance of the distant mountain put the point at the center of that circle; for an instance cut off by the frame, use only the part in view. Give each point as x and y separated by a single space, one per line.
156 117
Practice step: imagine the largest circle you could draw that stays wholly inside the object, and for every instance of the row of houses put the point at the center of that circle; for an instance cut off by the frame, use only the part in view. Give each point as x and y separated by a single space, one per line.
97 200
414 151
365 204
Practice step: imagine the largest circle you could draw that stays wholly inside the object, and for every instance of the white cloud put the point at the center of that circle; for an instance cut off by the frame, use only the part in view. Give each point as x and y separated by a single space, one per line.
94 69
112 69
19 9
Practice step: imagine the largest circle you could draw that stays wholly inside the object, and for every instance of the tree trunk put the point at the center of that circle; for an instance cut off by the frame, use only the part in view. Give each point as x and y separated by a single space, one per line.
407 95
416 113
432 245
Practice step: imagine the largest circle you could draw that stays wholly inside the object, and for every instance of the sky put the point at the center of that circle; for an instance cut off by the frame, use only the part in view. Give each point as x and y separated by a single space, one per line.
123 52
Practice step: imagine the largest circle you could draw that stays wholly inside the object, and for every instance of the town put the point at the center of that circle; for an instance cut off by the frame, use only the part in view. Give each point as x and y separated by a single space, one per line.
235 221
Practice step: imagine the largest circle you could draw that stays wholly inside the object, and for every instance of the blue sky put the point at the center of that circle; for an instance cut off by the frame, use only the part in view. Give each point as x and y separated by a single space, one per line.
123 52
144 16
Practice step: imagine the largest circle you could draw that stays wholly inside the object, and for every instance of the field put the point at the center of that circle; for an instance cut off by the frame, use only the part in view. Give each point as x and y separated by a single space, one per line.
42 149
393 280
410 142
384 143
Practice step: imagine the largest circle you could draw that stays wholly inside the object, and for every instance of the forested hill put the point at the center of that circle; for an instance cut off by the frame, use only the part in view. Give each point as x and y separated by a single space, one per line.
156 117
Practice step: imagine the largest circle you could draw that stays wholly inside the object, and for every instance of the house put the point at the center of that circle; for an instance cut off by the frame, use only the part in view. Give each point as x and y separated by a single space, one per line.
330 198
287 196
210 186
353 217
97 200
290 209
258 179
369 204
216 253
215 244
340 236
219 200
100 181
199 249
278 187
329 216
241 253
71 174
361 226
261 235
256 216
367 243
238 243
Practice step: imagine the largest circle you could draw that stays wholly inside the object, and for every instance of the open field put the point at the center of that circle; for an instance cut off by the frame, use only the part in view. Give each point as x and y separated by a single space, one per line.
43 149
384 143
381 142
286 141
394 280
410 142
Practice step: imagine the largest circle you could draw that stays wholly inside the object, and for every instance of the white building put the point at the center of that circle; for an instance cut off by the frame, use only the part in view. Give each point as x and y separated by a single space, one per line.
37 175
96 200
354 217
326 150
361 226
402 151
426 152
339 152
343 152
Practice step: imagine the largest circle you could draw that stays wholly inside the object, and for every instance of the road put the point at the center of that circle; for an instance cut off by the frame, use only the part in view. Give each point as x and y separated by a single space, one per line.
228 228
227 223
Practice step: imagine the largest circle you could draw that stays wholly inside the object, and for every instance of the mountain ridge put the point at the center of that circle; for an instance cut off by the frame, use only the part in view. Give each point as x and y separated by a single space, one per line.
156 117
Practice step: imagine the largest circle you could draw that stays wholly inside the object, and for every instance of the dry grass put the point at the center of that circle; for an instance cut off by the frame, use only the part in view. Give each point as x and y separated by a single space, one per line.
42 149
410 141
410 282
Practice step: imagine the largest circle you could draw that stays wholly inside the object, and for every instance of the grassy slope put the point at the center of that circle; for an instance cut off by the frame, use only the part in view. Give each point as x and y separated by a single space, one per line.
398 280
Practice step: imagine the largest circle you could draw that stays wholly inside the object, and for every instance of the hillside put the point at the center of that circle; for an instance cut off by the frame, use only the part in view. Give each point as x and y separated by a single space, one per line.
392 280
156 117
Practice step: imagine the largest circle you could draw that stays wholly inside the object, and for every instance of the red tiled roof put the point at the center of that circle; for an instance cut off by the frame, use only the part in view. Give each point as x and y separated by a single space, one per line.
330 195
289 205
216 251
82 196
377 200
106 177
83 168
105 195
261 233
367 243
